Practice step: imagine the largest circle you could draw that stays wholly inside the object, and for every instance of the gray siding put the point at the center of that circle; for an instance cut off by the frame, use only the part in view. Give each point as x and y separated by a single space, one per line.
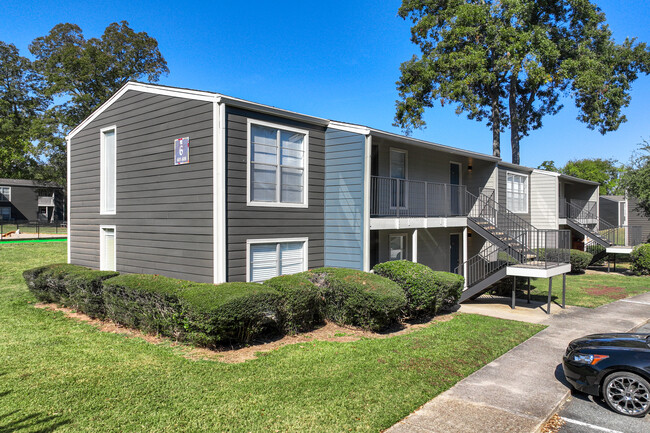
24 202
609 211
164 212
543 200
502 189
344 175
256 222
636 218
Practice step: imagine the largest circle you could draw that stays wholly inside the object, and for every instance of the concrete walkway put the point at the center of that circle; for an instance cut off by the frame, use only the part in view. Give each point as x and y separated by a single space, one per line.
519 391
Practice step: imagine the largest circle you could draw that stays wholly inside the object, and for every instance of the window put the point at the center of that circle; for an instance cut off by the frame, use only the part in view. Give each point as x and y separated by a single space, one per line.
397 244
107 248
5 193
270 258
517 193
107 171
5 213
277 169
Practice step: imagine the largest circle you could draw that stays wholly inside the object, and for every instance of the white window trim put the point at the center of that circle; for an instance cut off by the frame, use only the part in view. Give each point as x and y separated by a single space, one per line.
102 180
249 242
527 190
405 244
102 242
8 195
305 188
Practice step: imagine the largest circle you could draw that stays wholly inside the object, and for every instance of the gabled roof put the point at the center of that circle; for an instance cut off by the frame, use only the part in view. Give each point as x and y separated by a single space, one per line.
615 198
27 182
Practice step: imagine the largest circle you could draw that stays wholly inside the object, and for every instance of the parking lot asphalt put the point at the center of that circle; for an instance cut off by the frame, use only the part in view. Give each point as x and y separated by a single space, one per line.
584 413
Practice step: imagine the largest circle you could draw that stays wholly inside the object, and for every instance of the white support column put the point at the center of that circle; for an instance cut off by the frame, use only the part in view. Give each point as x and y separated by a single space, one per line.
219 190
366 203
465 237
414 246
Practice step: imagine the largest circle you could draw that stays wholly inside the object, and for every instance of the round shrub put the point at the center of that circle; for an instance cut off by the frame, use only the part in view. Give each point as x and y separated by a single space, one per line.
579 260
358 298
640 257
426 291
301 306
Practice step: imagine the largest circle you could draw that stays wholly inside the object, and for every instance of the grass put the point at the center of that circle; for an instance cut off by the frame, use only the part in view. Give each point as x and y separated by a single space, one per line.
60 374
590 290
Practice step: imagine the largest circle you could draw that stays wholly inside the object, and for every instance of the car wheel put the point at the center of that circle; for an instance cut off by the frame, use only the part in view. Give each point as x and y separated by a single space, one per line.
627 393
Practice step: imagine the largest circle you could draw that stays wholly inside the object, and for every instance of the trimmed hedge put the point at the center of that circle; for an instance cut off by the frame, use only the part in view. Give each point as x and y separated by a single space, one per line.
70 285
426 291
640 257
203 314
579 259
301 307
358 298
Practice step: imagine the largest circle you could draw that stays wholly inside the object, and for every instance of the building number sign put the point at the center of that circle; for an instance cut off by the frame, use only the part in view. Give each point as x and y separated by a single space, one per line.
182 151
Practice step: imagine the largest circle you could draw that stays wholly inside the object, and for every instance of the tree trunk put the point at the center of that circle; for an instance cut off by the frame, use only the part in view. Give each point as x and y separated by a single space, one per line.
514 119
496 123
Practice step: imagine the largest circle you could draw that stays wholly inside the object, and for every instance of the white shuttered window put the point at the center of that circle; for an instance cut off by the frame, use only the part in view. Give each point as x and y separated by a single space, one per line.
268 260
517 193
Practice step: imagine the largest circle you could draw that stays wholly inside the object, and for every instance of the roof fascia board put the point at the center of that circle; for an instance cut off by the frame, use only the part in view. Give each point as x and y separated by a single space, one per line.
545 172
348 127
516 166
577 179
436 146
279 112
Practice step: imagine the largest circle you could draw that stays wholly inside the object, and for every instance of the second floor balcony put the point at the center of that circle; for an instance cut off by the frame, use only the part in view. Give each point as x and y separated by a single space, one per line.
404 198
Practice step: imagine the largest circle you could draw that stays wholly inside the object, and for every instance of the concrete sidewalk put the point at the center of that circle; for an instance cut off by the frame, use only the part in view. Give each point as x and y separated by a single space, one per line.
519 391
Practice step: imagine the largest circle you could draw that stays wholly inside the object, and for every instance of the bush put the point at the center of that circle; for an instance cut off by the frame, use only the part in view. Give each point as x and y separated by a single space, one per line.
70 285
640 257
503 287
358 298
203 314
579 259
426 291
301 307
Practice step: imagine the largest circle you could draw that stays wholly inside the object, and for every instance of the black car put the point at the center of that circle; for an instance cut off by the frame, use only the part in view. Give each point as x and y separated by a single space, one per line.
616 366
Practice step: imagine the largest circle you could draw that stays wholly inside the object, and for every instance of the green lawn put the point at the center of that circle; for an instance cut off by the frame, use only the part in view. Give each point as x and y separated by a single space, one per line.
591 290
60 374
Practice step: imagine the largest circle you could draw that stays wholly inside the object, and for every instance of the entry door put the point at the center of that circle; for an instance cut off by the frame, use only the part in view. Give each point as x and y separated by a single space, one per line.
454 196
398 178
454 251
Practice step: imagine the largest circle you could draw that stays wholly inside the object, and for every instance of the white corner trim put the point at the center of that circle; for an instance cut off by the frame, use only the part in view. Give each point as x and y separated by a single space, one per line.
218 194
305 178
305 251
102 241
366 202
69 208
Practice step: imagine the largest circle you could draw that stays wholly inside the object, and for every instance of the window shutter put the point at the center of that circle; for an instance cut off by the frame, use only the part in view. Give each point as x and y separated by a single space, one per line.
264 261
291 257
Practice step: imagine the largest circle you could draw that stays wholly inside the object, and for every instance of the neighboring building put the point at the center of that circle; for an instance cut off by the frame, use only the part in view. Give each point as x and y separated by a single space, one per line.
621 211
205 187
29 200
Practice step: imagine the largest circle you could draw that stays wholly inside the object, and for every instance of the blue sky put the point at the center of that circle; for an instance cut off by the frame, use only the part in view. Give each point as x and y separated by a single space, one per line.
337 59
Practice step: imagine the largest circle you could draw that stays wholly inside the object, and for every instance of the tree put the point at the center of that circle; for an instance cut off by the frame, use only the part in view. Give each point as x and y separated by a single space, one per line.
604 171
84 73
636 180
20 104
509 61
548 166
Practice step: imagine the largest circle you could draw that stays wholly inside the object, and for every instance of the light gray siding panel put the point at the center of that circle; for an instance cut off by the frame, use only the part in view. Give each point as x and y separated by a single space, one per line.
257 222
609 211
164 212
636 218
344 174
543 201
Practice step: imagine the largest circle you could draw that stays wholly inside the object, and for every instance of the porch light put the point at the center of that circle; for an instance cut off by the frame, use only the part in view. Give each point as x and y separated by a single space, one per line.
469 168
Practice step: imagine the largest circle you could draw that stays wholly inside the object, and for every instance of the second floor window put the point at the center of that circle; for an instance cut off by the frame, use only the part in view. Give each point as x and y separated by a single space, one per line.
277 166
107 173
5 193
517 193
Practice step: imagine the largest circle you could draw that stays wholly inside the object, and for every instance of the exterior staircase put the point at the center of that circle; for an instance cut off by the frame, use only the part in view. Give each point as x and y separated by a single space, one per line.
513 241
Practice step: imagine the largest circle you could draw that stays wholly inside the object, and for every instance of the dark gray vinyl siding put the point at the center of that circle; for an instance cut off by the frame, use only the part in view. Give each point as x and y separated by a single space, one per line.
24 202
636 218
609 211
257 222
164 218
344 174
502 189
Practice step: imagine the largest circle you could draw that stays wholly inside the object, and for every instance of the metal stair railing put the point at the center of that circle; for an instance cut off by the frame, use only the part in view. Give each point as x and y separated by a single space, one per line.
489 261
587 217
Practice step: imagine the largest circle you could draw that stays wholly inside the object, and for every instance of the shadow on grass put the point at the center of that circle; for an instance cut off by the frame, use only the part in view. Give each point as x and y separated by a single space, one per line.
37 422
